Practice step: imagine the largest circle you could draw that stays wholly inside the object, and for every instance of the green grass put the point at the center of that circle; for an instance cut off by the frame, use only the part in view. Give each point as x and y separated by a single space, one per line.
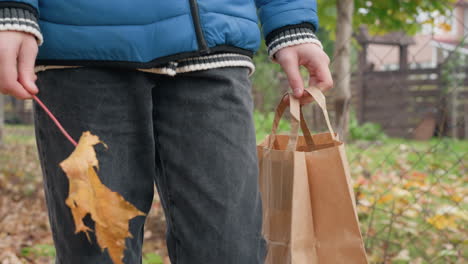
263 123
15 134
410 198
44 250
39 250
152 258
432 156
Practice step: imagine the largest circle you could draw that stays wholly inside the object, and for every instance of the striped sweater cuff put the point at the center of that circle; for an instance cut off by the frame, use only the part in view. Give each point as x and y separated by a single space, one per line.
290 37
20 19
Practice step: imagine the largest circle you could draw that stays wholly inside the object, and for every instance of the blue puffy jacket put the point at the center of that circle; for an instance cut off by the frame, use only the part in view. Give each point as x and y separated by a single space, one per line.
146 33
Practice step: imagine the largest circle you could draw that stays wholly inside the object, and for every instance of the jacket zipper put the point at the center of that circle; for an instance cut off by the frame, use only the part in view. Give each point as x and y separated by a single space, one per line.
202 46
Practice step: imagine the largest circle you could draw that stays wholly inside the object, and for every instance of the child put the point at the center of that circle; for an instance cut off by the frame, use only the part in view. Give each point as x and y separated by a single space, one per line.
165 84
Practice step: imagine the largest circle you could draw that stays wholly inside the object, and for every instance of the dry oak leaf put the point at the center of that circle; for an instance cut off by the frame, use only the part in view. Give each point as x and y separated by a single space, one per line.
109 210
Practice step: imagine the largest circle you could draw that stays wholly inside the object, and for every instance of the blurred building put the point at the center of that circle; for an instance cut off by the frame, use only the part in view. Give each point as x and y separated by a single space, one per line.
431 46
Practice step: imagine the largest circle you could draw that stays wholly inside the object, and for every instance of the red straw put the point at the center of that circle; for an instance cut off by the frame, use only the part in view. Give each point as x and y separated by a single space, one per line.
64 132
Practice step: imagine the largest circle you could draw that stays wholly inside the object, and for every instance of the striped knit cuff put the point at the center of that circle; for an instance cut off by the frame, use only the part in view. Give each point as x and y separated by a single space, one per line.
19 19
207 62
290 37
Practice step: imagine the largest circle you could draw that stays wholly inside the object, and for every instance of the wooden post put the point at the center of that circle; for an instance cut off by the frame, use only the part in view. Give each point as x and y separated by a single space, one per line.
361 84
403 57
19 110
442 109
404 90
454 112
2 117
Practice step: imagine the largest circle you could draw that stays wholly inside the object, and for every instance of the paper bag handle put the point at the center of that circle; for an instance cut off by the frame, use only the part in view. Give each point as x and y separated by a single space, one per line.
318 96
298 119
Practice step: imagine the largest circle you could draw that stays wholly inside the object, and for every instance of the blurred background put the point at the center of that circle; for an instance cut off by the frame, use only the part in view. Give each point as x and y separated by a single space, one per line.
400 102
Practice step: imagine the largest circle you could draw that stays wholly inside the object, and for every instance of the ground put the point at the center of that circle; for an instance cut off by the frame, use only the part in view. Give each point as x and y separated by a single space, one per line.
25 235
412 201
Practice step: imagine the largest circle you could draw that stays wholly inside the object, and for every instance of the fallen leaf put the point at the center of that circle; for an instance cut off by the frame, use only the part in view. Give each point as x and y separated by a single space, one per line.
9 258
403 255
442 221
108 209
386 198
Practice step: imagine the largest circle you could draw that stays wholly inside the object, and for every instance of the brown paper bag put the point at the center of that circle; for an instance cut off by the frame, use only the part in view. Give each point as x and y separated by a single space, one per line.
309 212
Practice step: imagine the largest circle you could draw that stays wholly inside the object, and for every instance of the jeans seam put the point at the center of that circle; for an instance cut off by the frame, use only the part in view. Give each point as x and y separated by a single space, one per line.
168 195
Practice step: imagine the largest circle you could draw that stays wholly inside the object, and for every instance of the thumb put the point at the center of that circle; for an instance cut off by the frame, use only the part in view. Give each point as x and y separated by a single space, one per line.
26 60
290 65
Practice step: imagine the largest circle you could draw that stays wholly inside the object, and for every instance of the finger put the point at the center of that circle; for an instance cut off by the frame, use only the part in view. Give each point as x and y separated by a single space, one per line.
20 93
313 80
26 60
9 76
321 78
17 90
305 99
290 65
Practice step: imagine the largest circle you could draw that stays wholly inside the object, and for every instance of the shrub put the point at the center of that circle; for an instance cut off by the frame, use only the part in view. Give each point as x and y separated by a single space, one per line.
365 131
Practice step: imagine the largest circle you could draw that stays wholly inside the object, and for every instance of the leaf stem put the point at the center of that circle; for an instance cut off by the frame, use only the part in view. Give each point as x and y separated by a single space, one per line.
57 123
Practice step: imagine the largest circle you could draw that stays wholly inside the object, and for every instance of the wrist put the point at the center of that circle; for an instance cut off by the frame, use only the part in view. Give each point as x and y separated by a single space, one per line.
290 36
20 19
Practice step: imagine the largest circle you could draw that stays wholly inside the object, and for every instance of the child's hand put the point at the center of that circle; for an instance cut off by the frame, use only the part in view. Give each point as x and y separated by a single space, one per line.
314 59
18 53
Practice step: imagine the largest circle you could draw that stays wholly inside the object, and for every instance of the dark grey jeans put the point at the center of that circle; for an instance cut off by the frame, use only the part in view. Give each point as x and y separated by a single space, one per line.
191 135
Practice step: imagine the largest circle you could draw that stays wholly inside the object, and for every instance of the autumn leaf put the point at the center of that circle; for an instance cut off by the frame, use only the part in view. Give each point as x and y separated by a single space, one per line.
108 209
385 198
442 221
456 198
